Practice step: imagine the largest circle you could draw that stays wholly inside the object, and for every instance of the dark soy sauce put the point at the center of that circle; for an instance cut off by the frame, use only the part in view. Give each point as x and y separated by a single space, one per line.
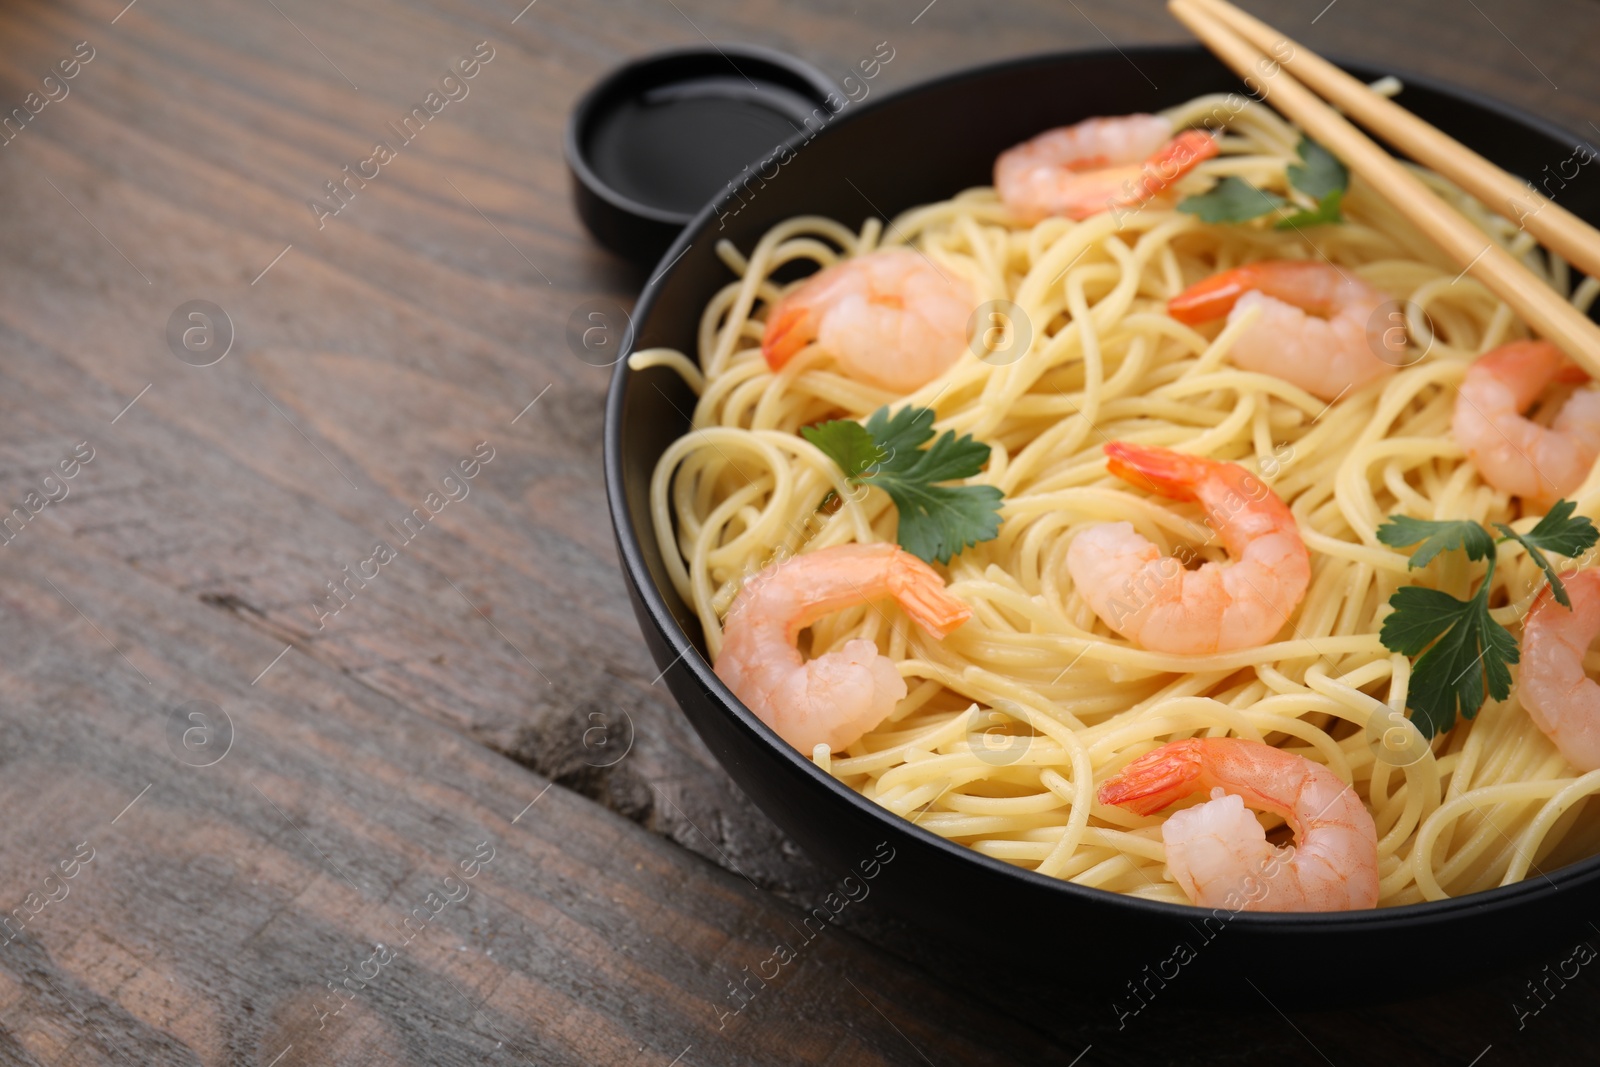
677 146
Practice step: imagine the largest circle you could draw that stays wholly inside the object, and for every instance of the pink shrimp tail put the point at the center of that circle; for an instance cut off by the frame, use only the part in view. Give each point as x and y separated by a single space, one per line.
1156 779
1291 281
1159 470
919 590
790 327
1173 160
1210 299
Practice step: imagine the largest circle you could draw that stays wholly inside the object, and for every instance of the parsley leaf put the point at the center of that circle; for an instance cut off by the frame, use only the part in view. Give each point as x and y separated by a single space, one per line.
1460 645
847 443
1325 213
1557 532
1561 532
900 435
1321 175
936 521
1232 200
1468 647
1436 537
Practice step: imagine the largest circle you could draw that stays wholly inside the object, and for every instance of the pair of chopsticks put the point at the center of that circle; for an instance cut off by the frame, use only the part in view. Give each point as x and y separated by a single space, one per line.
1243 43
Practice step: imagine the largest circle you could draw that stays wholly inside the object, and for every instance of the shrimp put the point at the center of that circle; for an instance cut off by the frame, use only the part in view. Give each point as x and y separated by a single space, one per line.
1562 700
1516 455
840 695
1152 600
1096 165
1319 329
1217 851
890 318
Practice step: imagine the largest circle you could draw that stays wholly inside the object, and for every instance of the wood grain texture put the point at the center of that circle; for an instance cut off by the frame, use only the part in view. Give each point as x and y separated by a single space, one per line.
375 749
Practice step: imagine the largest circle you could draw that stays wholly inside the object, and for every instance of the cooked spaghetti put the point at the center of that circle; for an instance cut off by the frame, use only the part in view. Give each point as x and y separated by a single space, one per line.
1012 721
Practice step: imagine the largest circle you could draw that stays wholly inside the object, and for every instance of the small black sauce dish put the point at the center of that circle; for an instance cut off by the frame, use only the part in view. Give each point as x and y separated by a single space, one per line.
658 138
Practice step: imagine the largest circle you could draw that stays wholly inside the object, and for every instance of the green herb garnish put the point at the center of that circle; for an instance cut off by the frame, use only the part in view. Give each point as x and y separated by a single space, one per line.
1557 532
937 521
1468 646
1232 200
1433 538
1461 647
1319 175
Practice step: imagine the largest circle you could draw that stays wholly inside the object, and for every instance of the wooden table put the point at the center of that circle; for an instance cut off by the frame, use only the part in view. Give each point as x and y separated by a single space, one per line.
447 815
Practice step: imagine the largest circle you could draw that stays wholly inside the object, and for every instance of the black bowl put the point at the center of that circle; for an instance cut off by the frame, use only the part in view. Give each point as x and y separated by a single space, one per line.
926 144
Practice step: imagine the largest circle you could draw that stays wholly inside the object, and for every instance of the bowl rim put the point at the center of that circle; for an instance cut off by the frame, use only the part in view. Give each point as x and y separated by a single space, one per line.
1538 885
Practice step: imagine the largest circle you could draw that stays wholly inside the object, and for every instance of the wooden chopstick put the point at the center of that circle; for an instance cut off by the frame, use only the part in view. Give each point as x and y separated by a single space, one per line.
1540 306
1556 228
